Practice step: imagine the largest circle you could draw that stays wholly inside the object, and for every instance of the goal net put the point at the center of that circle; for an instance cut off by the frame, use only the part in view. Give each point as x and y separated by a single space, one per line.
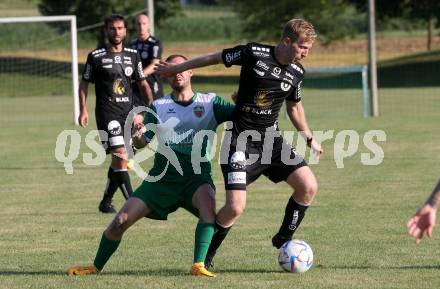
337 91
38 57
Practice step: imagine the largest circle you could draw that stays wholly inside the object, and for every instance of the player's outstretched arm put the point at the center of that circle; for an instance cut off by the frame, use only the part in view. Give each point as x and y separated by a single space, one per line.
166 69
423 222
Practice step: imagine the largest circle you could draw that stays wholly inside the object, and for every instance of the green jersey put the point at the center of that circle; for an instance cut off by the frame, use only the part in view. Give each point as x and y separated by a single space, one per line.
185 130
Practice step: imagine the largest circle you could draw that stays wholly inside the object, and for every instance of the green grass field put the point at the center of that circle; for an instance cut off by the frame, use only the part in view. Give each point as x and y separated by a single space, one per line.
356 225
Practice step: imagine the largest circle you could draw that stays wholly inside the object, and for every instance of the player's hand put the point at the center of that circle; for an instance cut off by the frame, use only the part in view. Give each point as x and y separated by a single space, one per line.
138 130
316 149
83 118
422 223
166 69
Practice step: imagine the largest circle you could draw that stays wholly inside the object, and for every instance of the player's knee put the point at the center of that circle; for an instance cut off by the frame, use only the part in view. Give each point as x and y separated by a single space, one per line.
309 190
312 187
236 209
207 213
118 226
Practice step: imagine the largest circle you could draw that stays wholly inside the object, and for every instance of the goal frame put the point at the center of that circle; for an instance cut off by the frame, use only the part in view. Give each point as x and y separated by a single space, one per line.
362 69
74 49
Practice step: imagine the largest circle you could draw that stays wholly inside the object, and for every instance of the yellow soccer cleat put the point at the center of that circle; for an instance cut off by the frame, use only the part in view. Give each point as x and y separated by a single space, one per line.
82 270
198 269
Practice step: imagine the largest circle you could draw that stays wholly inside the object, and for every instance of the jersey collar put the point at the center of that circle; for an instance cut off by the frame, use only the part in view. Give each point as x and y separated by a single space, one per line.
184 103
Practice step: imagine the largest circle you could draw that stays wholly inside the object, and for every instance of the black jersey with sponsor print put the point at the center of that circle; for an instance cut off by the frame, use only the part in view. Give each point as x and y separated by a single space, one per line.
264 85
113 73
148 50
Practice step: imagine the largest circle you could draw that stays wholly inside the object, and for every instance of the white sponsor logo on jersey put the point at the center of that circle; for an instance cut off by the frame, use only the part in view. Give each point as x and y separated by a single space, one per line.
276 72
259 72
297 68
155 51
237 178
285 86
118 59
88 71
122 99
288 80
107 60
231 57
289 75
128 71
261 51
262 65
99 54
108 66
258 48
140 70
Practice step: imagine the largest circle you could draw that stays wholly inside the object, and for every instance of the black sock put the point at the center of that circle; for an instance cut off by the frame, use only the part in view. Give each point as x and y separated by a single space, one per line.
217 239
293 216
111 187
124 183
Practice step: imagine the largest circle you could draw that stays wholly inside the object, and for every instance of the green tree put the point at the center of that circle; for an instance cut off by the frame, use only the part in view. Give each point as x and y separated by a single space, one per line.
56 7
412 10
333 19
89 12
429 10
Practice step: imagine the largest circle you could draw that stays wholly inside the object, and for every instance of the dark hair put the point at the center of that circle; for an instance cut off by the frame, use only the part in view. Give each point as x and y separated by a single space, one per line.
112 18
172 56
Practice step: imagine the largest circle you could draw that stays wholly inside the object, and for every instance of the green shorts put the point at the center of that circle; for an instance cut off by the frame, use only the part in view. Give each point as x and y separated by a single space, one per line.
165 197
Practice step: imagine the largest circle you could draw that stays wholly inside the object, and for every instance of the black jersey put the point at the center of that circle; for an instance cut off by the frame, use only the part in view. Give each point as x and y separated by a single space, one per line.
113 74
264 85
148 50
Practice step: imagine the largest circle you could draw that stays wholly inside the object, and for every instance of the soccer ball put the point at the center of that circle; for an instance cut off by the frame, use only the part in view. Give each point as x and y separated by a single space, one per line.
295 256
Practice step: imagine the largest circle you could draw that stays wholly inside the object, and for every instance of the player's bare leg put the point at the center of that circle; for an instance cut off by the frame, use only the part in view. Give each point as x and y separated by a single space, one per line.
133 210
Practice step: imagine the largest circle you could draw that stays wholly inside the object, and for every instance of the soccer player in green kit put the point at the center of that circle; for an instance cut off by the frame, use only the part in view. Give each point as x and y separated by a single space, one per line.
178 117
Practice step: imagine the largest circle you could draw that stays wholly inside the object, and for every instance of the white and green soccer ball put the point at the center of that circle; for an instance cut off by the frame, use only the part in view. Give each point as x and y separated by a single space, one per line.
295 256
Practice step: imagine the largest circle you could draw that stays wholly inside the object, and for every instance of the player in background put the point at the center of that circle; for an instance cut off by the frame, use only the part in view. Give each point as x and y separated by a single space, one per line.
113 69
150 51
423 222
191 190
269 76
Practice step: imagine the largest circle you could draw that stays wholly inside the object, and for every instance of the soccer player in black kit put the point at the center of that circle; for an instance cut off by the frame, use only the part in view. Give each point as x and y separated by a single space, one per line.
269 76
112 69
150 51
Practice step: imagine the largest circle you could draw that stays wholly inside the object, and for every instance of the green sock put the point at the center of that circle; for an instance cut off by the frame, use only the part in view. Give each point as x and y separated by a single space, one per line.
204 233
105 251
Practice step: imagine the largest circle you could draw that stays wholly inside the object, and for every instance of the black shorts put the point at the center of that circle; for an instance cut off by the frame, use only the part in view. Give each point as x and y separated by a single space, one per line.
111 129
275 160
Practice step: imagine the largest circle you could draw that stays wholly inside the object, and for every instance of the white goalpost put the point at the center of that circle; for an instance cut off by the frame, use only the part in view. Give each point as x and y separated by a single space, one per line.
71 19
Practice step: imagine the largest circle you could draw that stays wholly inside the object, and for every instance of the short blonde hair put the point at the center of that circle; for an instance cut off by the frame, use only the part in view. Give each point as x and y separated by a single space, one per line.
296 28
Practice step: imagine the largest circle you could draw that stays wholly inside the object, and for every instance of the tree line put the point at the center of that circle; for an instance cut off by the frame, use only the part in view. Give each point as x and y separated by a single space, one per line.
262 19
